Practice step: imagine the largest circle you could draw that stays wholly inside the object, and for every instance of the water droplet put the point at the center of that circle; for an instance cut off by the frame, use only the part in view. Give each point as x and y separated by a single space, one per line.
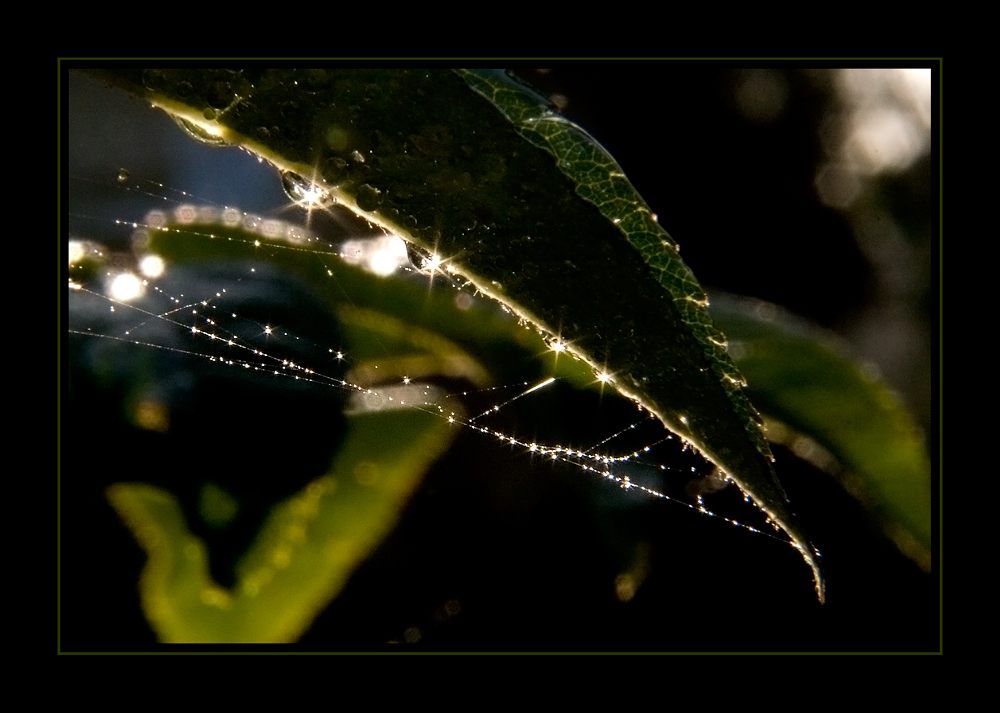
369 197
419 257
336 170
220 95
199 133
299 190
154 80
122 178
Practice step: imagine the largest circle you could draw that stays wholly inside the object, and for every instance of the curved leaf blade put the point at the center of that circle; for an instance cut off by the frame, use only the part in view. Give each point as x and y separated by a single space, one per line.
474 167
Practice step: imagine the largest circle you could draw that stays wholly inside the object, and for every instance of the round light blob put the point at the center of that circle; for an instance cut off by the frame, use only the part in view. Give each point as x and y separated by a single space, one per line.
152 266
125 287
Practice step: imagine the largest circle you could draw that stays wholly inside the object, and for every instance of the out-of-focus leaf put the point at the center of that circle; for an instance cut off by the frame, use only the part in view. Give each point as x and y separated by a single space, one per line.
474 167
306 552
799 378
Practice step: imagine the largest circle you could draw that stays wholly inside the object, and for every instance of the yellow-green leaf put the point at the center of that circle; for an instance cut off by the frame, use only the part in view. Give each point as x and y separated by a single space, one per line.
802 381
303 556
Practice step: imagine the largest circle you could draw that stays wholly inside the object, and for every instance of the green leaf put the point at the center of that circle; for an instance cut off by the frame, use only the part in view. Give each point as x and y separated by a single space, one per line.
802 381
473 167
307 550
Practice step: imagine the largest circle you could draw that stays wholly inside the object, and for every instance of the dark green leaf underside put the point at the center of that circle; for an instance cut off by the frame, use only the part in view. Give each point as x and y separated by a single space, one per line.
474 167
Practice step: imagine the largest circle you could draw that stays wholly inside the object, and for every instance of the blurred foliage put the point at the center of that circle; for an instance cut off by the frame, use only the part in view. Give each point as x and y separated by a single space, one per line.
802 380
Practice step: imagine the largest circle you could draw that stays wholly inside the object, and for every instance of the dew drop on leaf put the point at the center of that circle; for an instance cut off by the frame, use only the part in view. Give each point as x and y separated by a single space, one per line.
299 190
199 133
369 197
154 80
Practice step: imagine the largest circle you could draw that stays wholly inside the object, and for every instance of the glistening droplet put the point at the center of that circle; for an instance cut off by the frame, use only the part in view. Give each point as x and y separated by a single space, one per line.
122 177
369 197
199 133
154 80
299 190
419 257
220 95
336 170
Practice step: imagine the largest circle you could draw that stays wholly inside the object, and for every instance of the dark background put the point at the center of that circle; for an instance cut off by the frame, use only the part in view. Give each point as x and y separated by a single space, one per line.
494 555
